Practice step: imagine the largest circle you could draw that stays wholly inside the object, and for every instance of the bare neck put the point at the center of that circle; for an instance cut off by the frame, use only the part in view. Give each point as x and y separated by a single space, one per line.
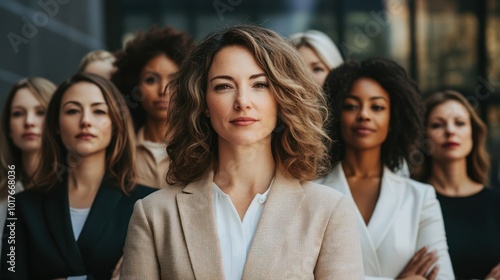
245 170
362 163
88 172
155 130
450 178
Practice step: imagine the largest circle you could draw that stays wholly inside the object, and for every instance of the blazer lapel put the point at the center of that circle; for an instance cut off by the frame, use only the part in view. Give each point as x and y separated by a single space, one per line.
386 209
56 208
197 214
338 181
280 210
107 198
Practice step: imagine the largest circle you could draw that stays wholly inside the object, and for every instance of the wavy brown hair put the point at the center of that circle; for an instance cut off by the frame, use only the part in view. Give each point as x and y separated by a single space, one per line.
120 154
299 147
131 60
478 162
10 154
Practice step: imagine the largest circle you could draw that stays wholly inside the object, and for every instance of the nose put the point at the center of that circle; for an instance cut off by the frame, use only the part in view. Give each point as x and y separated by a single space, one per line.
363 114
242 101
29 121
86 120
450 128
162 90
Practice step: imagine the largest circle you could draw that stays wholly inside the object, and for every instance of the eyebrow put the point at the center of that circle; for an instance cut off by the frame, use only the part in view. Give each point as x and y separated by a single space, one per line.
231 78
79 104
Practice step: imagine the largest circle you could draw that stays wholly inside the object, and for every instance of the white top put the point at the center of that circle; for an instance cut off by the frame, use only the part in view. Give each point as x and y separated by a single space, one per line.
406 218
236 236
159 150
78 218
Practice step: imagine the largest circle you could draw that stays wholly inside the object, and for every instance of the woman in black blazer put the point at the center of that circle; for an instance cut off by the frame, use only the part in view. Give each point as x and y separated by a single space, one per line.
73 222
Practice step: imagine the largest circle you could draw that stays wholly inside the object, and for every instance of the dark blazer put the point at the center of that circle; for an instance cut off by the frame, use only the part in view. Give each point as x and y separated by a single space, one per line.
45 247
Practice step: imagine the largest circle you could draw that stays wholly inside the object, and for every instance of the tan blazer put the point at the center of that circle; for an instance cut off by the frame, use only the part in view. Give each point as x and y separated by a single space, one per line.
149 172
307 231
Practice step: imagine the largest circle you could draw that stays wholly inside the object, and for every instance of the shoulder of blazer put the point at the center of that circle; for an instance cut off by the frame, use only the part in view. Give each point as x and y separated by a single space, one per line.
320 197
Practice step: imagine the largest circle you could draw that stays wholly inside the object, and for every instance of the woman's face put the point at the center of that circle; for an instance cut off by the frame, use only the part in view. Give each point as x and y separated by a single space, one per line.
26 121
154 78
315 64
365 116
240 104
450 131
84 121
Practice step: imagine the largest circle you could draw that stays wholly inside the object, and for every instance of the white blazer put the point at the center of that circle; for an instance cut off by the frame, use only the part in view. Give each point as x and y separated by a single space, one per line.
406 218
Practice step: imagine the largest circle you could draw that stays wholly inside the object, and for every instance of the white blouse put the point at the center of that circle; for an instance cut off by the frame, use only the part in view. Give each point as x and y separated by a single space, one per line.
236 236
78 218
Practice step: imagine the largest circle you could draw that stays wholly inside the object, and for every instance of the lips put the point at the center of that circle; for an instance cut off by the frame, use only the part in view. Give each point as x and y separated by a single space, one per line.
243 121
161 105
30 135
449 145
362 130
85 136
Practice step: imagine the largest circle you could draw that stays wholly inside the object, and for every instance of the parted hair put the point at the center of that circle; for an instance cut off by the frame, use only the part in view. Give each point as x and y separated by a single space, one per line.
131 60
299 145
56 161
405 126
478 162
10 154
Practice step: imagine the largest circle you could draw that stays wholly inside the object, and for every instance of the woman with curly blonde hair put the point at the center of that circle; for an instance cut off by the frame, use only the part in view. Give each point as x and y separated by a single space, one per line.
245 136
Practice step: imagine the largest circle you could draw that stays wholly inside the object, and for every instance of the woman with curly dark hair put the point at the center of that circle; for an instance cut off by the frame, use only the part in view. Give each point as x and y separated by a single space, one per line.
144 68
246 126
376 120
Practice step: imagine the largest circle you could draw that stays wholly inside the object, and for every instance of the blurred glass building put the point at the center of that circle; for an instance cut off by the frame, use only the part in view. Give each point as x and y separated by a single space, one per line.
447 44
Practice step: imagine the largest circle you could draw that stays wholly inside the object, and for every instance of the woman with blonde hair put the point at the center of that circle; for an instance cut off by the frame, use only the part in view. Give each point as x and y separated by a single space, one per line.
73 221
456 163
20 137
319 52
99 62
246 136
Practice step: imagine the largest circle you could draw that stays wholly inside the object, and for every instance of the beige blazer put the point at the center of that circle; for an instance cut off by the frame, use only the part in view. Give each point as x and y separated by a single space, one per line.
306 231
149 172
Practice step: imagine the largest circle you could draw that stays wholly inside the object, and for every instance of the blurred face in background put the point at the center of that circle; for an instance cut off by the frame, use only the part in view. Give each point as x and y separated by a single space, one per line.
366 115
449 129
154 78
26 120
84 121
315 64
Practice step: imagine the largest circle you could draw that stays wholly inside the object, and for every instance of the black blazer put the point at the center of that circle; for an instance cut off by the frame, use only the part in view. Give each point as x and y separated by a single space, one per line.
45 247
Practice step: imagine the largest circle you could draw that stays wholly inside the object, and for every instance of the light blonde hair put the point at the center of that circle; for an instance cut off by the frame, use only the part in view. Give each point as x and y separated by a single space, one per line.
10 154
299 147
97 55
120 154
321 44
478 162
